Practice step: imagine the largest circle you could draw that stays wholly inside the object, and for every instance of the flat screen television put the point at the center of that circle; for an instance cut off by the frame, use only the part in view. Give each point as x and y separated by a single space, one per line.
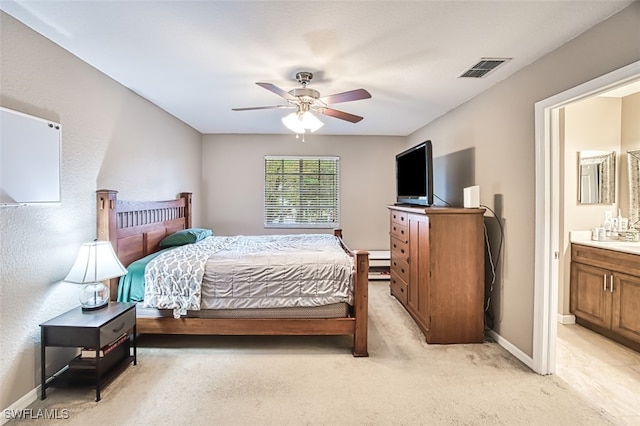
414 175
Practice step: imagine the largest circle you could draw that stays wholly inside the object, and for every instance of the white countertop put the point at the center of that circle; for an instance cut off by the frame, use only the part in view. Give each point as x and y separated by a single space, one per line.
584 238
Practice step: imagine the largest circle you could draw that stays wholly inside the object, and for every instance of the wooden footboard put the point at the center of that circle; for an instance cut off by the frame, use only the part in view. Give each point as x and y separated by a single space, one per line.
135 230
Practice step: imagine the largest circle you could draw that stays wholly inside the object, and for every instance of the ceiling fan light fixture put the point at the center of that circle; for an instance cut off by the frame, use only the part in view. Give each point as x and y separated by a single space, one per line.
300 122
307 101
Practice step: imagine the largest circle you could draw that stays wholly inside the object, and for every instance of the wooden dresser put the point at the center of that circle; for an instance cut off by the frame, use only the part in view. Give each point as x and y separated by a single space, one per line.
437 270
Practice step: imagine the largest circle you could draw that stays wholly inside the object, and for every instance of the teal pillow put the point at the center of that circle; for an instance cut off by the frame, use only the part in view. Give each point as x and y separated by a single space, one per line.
186 236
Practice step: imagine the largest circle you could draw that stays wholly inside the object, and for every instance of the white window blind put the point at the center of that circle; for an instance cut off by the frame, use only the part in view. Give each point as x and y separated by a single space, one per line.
301 192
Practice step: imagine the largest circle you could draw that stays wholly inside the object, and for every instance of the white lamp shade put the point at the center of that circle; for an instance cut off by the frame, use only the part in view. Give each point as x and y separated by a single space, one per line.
300 122
293 123
311 122
96 261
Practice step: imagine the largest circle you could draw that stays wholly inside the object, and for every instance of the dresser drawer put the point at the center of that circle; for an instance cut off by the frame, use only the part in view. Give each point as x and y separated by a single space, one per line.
398 288
400 266
399 217
399 248
400 231
117 327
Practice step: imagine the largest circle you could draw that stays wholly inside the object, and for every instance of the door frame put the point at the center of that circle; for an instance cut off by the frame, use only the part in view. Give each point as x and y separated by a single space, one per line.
547 208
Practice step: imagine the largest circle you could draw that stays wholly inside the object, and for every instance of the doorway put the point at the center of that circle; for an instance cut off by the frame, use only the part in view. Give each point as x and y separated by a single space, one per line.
548 190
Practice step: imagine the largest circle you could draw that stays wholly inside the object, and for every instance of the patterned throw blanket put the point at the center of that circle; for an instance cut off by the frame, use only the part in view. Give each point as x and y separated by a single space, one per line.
173 280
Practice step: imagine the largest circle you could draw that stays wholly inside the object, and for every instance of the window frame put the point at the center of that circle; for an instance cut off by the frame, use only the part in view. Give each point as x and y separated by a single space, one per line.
303 225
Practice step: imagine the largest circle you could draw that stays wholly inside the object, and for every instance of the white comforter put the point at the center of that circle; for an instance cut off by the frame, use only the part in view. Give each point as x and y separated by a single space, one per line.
267 271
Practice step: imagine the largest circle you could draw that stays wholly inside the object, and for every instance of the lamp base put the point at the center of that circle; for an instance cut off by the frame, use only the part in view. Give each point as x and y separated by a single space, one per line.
95 307
94 296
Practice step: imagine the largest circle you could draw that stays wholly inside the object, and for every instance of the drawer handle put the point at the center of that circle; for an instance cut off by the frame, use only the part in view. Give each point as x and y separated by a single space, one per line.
402 232
115 330
402 218
402 251
402 270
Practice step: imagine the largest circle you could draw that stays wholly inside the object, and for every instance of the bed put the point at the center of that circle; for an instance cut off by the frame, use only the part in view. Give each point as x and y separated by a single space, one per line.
136 229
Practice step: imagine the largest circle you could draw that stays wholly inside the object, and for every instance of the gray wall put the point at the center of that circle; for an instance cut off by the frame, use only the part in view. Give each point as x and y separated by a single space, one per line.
111 138
499 126
233 176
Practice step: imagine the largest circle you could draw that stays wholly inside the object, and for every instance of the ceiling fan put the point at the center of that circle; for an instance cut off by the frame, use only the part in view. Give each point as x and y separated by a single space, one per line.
305 101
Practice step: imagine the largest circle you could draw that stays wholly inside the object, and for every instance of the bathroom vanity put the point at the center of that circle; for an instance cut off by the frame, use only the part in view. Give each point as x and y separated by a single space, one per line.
605 289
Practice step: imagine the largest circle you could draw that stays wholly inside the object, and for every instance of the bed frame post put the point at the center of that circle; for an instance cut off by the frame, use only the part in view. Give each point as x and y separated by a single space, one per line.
360 297
361 303
187 208
106 200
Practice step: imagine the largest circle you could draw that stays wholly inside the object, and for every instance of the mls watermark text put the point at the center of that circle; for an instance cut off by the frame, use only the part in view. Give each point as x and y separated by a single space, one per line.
36 414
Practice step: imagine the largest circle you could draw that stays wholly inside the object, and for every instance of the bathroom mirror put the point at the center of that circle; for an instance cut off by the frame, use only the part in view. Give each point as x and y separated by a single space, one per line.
633 163
597 177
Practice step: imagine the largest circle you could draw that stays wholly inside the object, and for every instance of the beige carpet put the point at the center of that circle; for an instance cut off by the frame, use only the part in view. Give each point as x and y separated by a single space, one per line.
213 380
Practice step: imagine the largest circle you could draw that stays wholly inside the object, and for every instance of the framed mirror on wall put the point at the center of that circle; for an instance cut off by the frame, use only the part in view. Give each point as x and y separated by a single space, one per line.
633 164
596 177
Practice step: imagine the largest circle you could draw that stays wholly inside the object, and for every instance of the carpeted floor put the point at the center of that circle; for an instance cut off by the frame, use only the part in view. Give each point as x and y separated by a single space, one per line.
210 380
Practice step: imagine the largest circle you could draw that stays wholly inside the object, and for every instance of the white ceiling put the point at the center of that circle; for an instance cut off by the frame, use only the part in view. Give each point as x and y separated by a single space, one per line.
199 59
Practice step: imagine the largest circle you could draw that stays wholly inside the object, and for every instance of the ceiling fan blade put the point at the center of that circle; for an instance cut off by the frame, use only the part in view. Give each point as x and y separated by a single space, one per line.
352 95
340 114
262 107
278 91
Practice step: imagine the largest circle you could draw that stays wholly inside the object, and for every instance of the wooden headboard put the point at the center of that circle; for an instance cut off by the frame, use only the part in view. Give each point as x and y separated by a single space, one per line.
136 228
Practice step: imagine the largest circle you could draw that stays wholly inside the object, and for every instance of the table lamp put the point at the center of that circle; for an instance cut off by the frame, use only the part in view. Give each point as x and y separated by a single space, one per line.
96 262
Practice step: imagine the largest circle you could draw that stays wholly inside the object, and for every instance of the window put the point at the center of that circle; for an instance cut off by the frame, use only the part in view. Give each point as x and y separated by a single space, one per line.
301 192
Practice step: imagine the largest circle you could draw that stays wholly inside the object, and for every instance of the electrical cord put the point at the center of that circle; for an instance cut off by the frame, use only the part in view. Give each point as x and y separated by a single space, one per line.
491 262
444 201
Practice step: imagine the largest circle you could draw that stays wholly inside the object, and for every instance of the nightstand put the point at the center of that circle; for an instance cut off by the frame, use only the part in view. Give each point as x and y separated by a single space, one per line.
90 329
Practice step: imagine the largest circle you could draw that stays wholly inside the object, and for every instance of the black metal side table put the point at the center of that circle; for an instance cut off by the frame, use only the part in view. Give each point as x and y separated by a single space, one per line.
90 329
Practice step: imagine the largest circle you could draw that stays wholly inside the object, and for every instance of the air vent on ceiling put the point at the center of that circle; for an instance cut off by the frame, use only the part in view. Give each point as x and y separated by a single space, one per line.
484 67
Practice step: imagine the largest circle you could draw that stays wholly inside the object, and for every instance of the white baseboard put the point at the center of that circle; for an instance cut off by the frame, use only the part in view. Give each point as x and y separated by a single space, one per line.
19 405
526 359
566 319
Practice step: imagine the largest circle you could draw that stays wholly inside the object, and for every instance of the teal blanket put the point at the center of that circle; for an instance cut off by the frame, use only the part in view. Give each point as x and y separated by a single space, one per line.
131 287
